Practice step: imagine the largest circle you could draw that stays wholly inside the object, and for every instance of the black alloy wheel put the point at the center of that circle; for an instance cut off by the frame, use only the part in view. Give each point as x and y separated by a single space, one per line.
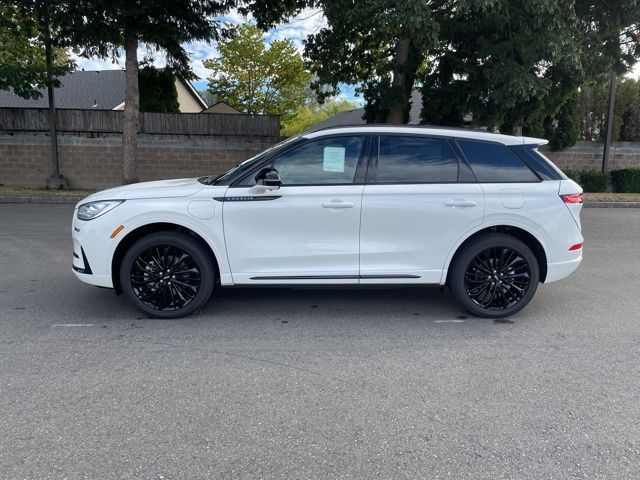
494 276
497 278
167 275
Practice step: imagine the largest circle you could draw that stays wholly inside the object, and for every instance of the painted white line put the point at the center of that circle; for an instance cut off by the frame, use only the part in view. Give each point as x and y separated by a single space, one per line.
448 321
73 325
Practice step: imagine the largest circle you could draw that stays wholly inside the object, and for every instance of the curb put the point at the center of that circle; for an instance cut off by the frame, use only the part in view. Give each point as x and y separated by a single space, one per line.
51 199
611 204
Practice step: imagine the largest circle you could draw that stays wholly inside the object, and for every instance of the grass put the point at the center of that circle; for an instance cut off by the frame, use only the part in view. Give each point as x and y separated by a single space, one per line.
27 192
612 197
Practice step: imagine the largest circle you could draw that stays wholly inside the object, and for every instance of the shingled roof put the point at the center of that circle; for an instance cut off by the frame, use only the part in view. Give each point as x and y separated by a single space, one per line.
100 90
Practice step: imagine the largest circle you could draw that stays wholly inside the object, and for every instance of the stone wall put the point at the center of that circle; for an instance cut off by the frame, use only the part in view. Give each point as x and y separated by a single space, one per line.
588 156
94 161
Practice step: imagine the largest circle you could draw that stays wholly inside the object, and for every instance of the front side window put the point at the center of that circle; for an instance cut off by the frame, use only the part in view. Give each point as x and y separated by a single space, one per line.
495 163
327 161
415 160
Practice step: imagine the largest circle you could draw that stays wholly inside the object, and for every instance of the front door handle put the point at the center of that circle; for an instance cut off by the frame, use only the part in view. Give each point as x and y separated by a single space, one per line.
461 203
337 204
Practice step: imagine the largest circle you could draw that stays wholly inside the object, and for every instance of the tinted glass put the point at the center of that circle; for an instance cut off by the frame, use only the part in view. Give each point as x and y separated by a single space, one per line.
321 162
492 162
415 160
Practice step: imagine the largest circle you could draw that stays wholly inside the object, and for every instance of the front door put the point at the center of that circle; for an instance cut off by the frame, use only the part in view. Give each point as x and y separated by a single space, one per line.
306 231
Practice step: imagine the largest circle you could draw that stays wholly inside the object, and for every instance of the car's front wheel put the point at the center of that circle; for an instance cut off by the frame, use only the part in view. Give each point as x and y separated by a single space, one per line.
167 275
494 276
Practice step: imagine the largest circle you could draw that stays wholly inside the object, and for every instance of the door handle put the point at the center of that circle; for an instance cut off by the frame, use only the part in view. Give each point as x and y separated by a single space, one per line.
337 204
461 203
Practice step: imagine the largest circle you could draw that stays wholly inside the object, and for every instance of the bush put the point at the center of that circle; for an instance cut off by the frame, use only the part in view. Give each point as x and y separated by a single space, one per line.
572 174
626 180
594 181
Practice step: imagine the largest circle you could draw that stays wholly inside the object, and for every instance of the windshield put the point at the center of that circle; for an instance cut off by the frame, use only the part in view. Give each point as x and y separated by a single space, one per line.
246 164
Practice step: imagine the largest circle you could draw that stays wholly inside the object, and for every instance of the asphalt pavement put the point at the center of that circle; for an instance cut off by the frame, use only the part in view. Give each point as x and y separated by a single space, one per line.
317 383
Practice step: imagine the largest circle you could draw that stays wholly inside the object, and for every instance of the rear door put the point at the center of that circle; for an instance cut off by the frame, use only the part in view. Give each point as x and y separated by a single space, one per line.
418 201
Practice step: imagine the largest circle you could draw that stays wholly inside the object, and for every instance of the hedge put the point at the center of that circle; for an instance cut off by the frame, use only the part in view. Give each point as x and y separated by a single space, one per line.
593 181
626 180
590 180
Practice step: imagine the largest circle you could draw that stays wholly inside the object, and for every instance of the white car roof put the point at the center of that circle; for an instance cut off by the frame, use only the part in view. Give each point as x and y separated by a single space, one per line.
463 133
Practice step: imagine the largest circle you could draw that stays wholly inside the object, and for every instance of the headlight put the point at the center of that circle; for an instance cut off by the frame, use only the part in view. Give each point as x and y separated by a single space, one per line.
91 210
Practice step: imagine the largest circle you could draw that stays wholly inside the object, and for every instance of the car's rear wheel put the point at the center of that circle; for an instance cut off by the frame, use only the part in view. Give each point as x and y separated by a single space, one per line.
167 275
494 276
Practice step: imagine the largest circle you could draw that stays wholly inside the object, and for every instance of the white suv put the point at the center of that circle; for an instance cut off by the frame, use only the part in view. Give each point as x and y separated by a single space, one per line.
488 215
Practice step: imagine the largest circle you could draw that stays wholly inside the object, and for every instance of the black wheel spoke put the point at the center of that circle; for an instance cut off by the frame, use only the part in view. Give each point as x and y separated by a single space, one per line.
165 277
497 278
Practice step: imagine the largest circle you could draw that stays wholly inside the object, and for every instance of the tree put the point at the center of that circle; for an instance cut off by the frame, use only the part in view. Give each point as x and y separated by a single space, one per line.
313 113
158 91
500 60
254 78
22 56
377 44
101 28
563 131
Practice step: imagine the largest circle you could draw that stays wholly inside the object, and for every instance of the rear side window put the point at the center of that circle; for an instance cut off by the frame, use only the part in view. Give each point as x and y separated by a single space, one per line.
415 160
495 163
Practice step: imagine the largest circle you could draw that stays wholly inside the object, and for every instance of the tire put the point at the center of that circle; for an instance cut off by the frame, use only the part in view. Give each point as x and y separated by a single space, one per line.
167 275
494 276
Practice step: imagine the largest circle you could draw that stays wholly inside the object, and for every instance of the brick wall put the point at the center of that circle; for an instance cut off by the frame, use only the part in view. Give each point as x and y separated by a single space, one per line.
94 161
588 156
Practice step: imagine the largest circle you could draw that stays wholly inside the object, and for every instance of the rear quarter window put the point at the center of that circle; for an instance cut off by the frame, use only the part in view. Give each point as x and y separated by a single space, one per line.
495 163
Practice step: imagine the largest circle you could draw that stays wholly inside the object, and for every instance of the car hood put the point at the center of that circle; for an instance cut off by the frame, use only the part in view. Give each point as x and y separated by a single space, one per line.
160 189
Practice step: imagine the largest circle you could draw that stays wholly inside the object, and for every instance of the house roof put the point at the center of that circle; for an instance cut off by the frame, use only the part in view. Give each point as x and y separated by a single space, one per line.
101 90
355 116
84 90
221 107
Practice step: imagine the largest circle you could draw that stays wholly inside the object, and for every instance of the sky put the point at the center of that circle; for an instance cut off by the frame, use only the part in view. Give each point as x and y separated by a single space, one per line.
307 22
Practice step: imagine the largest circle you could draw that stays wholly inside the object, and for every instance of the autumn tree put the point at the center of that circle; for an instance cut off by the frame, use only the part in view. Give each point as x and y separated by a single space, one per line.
255 77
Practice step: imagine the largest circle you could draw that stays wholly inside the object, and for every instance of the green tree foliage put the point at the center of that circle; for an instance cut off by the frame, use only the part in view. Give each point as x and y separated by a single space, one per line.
101 28
377 44
22 52
255 78
313 113
563 131
503 61
593 102
158 91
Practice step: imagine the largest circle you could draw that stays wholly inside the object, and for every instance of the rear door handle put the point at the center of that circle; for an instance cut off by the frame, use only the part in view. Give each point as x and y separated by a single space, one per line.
461 203
337 204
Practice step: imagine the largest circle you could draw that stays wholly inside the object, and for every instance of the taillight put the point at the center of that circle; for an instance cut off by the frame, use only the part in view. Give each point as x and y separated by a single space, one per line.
572 198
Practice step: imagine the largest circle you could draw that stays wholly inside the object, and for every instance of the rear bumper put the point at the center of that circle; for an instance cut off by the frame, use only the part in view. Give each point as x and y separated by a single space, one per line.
559 270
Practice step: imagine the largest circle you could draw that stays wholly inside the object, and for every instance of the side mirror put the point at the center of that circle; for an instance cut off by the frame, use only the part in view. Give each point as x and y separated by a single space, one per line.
272 180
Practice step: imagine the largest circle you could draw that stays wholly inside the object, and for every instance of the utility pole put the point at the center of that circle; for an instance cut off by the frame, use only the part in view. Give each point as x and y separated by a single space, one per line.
55 181
607 138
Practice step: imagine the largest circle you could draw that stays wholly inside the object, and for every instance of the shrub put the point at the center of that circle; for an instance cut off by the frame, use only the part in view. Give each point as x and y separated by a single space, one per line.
572 174
626 180
594 181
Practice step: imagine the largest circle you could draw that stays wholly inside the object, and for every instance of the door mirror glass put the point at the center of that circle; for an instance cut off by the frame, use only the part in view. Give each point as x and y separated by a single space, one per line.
269 178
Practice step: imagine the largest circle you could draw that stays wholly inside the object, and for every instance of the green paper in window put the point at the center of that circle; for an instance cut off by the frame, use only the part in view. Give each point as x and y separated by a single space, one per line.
333 159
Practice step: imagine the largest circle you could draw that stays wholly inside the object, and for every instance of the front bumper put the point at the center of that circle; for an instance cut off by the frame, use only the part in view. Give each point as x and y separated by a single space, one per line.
91 251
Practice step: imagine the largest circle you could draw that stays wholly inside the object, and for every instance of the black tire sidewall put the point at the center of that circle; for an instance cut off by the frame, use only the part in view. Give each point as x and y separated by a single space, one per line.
190 246
469 252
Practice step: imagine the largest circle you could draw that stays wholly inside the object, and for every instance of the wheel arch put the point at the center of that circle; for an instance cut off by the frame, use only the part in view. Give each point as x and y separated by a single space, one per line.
143 230
533 242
